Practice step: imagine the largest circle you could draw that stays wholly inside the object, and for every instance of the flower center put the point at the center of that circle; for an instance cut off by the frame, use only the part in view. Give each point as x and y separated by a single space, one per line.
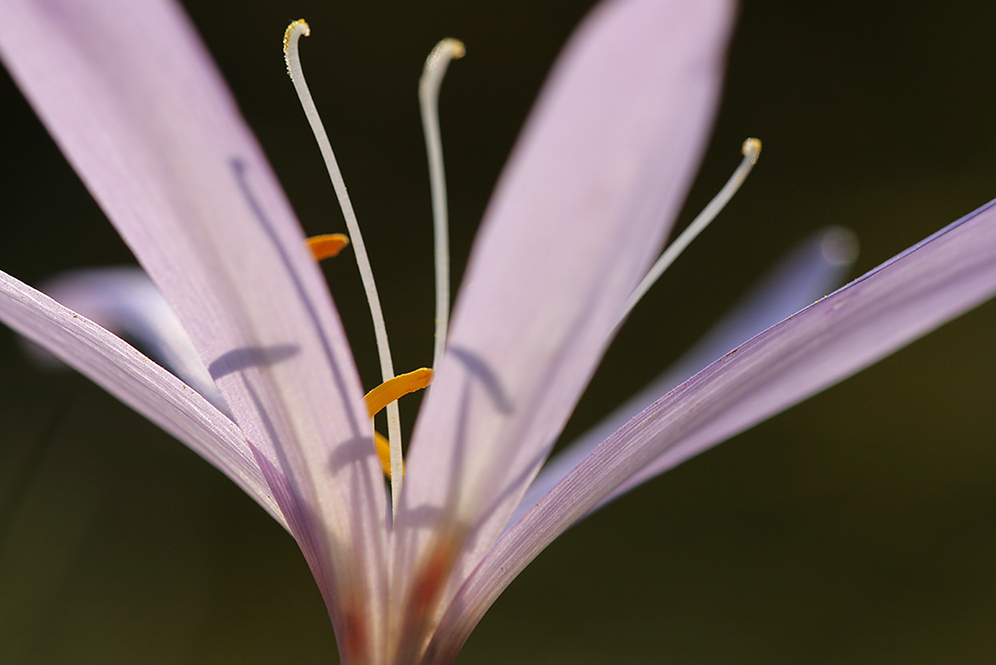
385 395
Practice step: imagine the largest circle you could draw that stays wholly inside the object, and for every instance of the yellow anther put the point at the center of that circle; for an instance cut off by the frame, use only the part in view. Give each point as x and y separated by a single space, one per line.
383 449
386 393
395 388
326 246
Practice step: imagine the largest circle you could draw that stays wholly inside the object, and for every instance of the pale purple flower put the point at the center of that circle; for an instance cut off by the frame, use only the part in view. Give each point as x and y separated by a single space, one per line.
588 197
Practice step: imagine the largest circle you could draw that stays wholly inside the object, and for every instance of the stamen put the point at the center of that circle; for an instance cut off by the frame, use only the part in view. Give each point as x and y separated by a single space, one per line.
751 149
326 246
383 449
388 392
396 388
428 95
293 60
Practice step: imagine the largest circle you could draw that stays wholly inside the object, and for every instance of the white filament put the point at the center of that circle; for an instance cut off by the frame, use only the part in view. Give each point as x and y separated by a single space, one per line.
293 34
751 150
428 96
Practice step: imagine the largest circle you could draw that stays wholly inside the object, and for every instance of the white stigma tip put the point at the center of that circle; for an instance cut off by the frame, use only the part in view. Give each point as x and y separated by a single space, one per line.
291 36
445 51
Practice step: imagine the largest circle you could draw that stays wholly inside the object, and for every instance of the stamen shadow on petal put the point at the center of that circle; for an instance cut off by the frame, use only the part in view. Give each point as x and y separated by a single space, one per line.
238 360
485 375
347 453
240 169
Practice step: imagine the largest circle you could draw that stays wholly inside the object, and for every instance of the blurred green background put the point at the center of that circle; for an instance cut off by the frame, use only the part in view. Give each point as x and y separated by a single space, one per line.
856 528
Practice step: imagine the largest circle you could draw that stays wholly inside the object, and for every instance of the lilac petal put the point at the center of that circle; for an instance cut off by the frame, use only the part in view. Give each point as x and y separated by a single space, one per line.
901 300
124 301
815 267
138 382
133 100
579 214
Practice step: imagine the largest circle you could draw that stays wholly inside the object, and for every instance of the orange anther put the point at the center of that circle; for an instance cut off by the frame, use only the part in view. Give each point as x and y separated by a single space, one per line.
386 393
326 246
395 388
383 449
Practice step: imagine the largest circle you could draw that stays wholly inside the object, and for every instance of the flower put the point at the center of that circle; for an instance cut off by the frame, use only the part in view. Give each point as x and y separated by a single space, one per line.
585 201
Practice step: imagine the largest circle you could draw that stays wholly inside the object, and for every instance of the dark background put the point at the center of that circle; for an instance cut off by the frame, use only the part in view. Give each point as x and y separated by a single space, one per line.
856 528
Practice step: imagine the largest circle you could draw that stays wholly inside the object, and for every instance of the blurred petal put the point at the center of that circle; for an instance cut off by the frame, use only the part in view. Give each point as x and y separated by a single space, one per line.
133 100
124 301
901 300
581 211
814 268
138 382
